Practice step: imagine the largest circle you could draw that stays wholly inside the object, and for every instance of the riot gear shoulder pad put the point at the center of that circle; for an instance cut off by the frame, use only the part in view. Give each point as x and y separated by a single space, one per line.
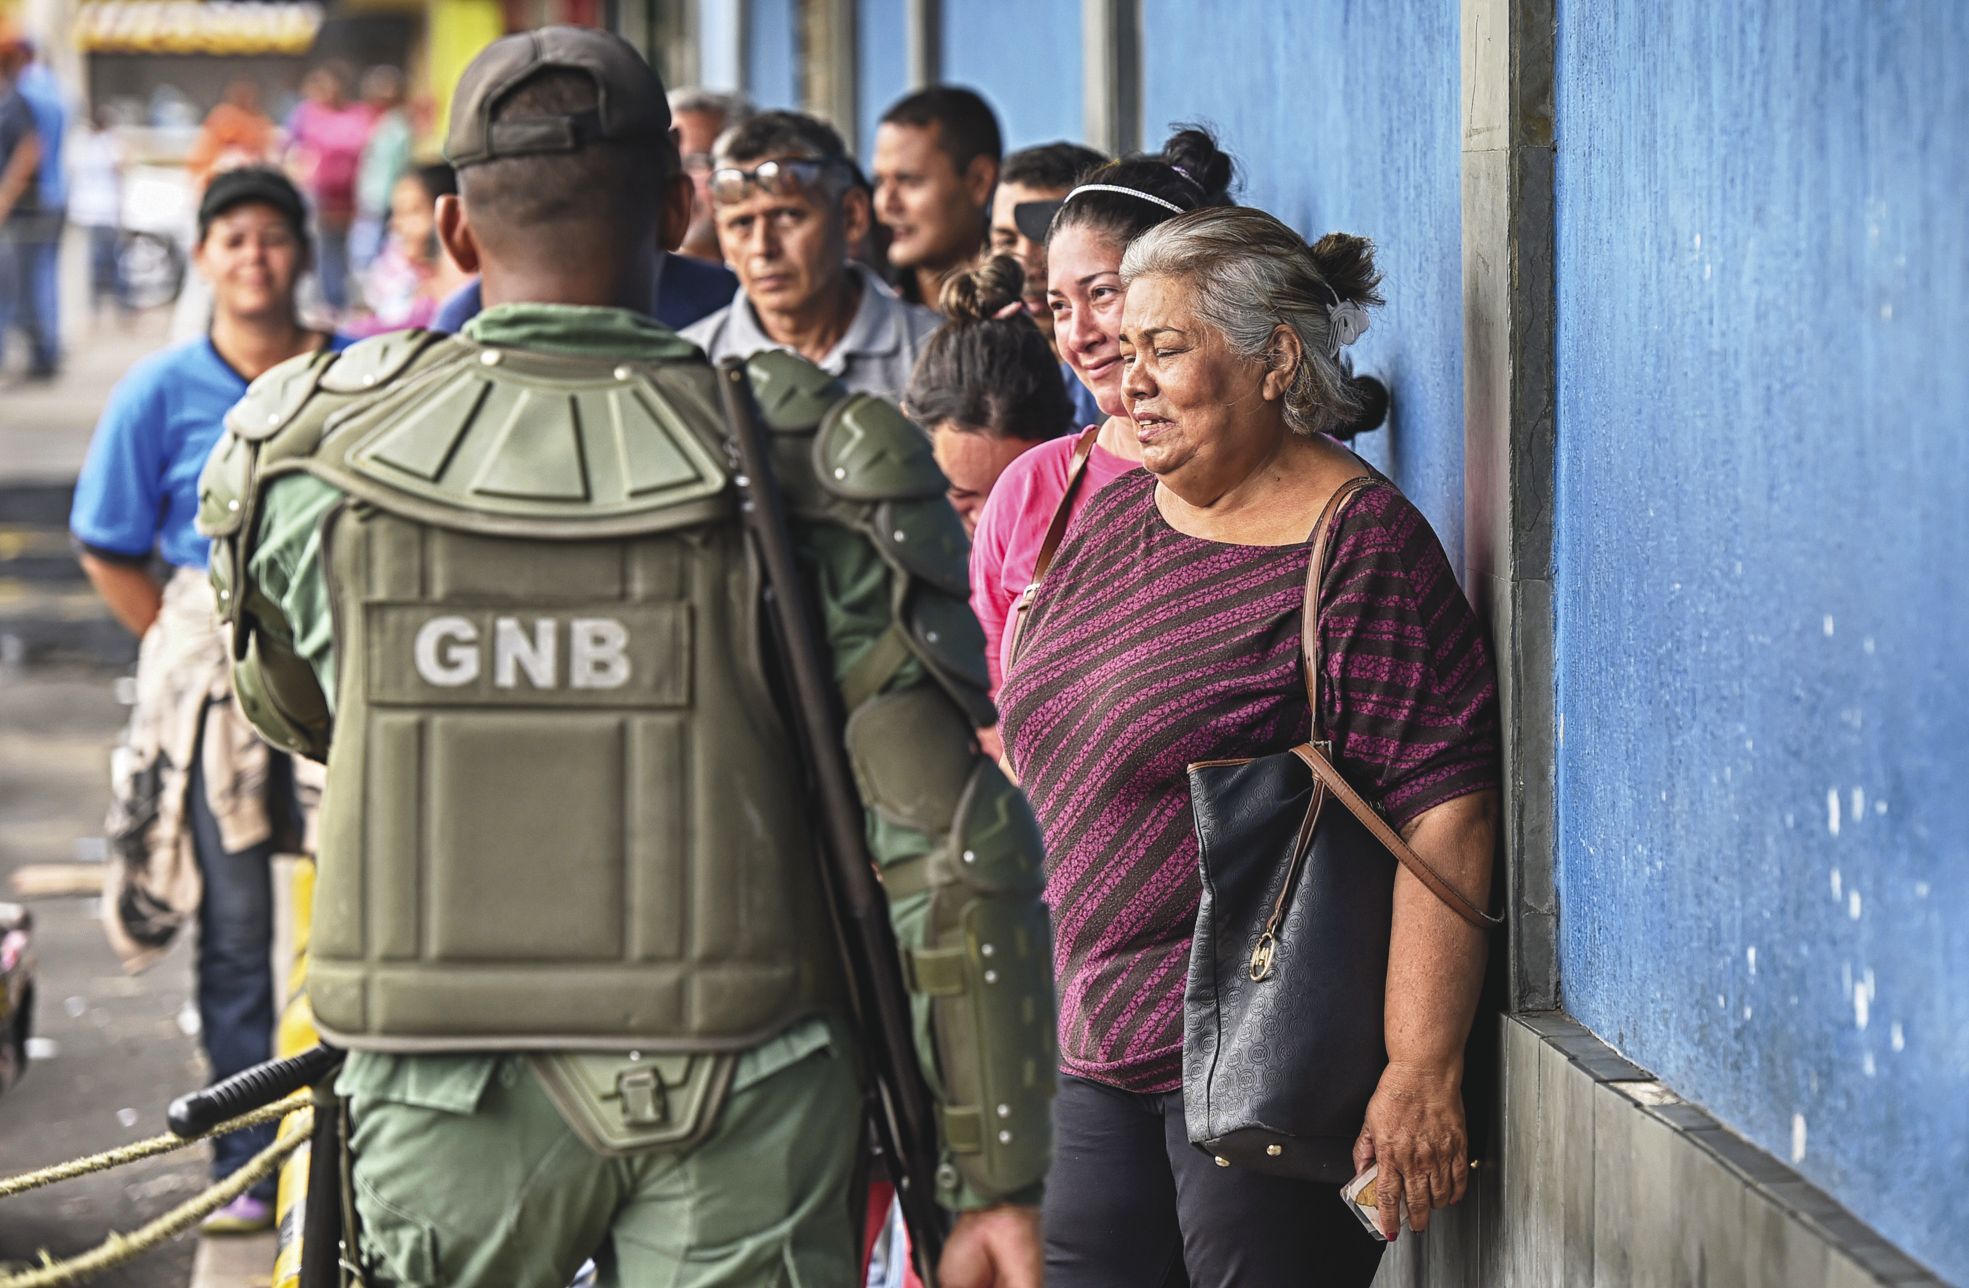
792 394
277 427
970 921
869 451
870 469
366 366
273 400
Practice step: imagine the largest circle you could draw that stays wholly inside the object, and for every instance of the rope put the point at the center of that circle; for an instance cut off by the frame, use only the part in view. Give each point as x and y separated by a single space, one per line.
143 1149
119 1248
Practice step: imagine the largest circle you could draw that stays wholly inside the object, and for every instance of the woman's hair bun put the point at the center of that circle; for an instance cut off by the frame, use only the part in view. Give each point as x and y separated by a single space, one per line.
1346 263
981 292
1193 149
1372 396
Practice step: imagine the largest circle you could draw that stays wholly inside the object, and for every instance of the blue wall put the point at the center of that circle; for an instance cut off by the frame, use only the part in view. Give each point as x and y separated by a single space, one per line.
1024 57
1763 320
772 33
721 65
1344 116
881 66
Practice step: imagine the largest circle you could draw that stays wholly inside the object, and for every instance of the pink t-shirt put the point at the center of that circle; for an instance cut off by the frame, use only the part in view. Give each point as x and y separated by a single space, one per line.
1012 527
330 140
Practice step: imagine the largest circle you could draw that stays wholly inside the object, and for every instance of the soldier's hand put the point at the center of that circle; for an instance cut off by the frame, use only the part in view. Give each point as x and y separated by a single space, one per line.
995 1247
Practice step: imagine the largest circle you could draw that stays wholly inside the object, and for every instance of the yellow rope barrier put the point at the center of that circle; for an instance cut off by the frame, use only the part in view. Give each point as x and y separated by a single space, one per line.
145 1149
119 1248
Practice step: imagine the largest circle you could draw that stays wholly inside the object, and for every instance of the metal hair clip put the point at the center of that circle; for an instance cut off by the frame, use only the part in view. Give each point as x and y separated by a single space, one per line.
1346 322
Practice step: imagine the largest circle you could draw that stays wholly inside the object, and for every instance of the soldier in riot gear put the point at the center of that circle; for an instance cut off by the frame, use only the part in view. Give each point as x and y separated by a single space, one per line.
569 922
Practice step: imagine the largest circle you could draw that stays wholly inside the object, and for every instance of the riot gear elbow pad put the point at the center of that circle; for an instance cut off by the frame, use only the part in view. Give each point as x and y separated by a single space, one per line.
975 941
964 879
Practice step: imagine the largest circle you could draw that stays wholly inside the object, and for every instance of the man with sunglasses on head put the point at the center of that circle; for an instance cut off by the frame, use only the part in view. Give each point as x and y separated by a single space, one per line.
789 212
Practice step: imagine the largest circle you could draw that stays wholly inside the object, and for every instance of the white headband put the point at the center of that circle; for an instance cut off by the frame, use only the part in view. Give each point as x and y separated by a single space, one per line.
1126 192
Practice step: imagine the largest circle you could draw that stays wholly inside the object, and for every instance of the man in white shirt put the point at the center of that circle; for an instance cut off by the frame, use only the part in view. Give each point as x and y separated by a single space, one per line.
788 209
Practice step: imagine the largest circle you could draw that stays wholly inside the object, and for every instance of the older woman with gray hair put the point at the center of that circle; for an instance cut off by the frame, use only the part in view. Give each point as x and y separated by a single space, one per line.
1168 632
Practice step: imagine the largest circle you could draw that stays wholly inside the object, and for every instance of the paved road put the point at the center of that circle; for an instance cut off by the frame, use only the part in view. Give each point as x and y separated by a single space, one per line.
120 1050
118 1047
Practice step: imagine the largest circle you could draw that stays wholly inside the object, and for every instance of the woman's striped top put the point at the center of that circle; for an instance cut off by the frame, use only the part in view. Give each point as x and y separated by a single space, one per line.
1148 650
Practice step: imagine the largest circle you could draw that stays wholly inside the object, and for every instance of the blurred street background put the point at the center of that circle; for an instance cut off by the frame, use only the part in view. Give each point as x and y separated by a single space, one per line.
108 1050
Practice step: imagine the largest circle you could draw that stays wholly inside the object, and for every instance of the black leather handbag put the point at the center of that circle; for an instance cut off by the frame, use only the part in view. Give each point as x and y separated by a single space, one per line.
1282 1015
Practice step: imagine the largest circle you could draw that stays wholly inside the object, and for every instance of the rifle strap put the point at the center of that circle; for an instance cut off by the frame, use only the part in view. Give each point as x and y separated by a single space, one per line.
872 669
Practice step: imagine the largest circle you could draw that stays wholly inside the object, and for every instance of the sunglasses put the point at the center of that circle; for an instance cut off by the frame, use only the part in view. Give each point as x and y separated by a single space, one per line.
774 178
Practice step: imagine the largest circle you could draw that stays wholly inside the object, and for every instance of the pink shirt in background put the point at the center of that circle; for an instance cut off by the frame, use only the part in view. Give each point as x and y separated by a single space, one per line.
329 143
1012 527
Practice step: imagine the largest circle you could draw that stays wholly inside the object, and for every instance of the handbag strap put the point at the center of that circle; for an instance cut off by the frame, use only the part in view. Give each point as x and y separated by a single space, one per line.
1056 530
1324 771
1309 617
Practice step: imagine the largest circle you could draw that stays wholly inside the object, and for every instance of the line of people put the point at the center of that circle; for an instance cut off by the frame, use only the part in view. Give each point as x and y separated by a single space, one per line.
1135 406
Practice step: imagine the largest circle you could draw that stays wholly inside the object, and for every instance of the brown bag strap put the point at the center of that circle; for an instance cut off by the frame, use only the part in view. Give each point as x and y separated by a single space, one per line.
1309 618
1438 885
1323 769
1056 530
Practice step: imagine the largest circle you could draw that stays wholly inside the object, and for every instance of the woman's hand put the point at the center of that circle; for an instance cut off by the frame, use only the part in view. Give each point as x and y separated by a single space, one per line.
1415 1130
996 1247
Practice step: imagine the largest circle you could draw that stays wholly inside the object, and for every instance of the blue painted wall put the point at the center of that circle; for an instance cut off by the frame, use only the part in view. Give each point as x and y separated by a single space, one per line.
881 66
1024 57
772 34
1763 321
1344 116
720 64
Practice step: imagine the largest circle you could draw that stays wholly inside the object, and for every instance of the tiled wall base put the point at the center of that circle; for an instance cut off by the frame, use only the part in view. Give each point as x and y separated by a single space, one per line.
1606 1179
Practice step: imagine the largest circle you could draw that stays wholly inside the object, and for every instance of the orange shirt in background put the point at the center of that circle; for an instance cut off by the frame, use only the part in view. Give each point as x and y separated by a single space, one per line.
234 135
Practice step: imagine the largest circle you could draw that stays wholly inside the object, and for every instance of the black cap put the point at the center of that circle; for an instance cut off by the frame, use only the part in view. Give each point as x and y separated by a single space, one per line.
259 183
629 96
1034 219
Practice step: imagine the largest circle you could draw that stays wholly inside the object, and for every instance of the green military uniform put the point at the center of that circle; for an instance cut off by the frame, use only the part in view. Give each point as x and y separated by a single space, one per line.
568 921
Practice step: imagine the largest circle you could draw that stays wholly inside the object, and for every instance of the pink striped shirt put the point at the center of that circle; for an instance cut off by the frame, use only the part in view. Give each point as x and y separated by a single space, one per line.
1150 649
1012 527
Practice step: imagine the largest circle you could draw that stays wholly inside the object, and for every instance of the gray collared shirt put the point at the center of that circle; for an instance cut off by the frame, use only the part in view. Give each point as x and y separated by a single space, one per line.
875 356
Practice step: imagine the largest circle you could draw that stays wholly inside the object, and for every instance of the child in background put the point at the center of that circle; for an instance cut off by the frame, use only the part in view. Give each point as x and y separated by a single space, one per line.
413 275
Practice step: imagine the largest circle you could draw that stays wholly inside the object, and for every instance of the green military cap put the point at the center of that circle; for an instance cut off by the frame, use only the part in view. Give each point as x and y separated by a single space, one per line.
631 105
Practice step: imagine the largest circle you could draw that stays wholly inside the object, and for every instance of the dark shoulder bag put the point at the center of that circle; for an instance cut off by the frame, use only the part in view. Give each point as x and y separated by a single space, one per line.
1282 1016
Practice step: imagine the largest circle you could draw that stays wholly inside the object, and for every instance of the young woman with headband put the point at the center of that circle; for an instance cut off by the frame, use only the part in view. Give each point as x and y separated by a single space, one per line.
1044 488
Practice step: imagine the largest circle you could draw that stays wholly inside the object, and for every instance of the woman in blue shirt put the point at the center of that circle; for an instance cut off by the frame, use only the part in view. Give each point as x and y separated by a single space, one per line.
200 804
